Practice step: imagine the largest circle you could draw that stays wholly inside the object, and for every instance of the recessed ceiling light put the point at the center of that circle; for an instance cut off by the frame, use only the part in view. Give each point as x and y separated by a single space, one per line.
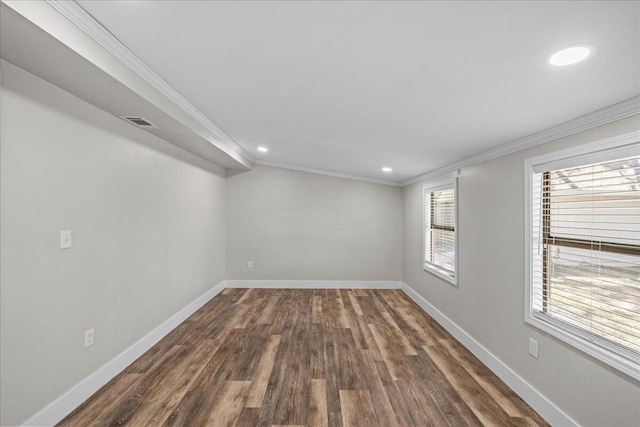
387 169
571 55
263 149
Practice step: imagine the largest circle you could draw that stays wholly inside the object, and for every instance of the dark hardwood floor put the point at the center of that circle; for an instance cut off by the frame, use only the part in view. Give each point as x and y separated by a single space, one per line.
275 357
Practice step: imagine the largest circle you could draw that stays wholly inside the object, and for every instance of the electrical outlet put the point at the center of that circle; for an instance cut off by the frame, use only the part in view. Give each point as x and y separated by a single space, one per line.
533 347
65 239
88 338
249 264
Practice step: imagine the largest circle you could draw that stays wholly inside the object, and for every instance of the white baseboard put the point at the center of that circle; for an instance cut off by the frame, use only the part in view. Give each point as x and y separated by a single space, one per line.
550 412
62 406
66 403
314 284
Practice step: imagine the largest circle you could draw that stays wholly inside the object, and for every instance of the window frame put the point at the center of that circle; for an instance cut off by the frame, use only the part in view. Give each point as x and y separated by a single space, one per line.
427 266
626 145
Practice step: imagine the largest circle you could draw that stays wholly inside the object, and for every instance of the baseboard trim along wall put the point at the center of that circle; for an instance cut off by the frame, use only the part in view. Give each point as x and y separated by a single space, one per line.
550 412
62 406
314 284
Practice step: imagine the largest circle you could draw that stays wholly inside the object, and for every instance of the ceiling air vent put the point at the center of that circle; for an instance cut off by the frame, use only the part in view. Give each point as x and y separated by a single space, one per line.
140 122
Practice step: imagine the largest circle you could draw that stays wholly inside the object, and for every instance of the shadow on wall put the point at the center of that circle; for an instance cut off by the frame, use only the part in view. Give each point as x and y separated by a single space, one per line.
86 112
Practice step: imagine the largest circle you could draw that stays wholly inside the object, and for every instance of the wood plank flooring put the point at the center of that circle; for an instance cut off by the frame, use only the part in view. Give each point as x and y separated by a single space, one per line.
280 357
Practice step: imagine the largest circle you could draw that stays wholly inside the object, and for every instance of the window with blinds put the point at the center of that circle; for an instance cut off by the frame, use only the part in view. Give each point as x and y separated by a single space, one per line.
585 223
440 230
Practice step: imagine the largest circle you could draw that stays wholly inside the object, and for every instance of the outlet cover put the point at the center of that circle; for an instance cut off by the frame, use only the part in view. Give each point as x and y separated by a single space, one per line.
249 264
65 239
88 338
533 347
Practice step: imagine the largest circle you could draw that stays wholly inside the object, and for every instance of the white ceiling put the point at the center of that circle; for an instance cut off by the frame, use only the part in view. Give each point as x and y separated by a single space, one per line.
350 87
47 46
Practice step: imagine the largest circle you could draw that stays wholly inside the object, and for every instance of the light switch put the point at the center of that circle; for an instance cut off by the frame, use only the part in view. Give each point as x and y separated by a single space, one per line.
65 239
533 347
88 338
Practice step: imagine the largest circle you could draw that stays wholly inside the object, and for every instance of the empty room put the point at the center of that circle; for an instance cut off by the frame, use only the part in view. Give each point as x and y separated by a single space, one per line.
319 213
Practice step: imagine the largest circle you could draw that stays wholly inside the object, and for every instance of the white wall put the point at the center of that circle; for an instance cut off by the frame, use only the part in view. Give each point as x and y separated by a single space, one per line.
302 226
489 302
148 223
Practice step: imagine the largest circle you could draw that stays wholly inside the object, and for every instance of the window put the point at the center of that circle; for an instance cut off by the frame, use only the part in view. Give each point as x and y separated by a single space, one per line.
584 253
440 234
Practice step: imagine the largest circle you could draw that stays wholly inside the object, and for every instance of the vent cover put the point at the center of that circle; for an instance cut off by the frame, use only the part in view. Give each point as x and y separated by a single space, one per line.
140 122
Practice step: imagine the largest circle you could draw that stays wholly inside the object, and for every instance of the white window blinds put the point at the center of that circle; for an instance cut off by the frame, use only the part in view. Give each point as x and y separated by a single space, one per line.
586 250
440 229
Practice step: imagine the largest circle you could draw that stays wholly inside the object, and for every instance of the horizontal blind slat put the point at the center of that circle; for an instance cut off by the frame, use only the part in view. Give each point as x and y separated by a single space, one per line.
588 273
586 323
629 314
440 239
577 319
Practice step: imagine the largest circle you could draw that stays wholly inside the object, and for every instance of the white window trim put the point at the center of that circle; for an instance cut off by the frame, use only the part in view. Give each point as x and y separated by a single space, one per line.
427 266
616 147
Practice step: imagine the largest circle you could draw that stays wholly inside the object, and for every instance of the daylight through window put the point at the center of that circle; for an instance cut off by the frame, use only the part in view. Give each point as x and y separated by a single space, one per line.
586 251
440 230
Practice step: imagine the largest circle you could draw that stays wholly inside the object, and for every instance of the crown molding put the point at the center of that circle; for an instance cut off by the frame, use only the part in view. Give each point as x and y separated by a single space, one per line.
327 173
90 26
618 111
86 23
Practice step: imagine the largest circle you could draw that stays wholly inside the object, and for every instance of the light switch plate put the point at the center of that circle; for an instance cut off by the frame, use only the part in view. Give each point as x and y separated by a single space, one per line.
533 347
88 338
249 264
65 239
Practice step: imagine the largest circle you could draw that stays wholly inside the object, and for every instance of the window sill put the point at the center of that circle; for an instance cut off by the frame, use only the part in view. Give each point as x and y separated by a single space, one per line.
597 348
451 278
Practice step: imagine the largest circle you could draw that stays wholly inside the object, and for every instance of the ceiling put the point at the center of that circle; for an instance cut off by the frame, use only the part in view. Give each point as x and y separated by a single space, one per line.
350 87
29 46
